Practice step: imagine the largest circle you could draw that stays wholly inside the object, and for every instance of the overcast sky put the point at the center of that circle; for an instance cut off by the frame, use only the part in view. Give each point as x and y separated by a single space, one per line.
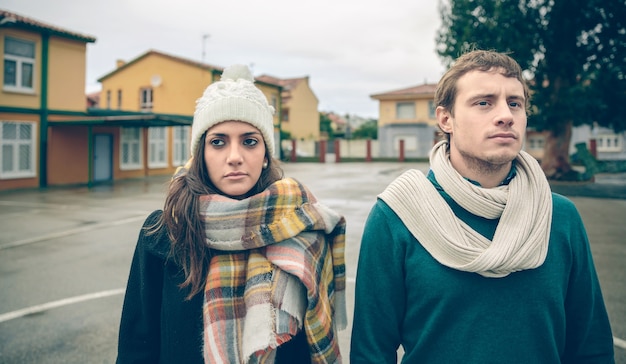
350 49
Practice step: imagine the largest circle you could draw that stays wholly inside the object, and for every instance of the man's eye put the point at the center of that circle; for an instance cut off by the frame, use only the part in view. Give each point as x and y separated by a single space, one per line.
515 104
482 103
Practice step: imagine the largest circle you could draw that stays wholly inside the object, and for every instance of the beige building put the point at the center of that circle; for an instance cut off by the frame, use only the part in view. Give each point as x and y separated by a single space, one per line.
409 115
299 108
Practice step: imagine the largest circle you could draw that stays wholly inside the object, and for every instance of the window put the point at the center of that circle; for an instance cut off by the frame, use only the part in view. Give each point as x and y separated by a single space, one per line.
119 99
609 143
130 145
108 99
405 110
157 147
536 142
431 109
145 99
17 143
19 64
181 145
285 115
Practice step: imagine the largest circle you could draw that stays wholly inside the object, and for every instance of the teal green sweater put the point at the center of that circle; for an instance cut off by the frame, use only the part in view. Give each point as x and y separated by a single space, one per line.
551 314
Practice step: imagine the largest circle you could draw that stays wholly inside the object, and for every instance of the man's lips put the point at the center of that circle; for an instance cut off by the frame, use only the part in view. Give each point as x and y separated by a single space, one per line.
503 136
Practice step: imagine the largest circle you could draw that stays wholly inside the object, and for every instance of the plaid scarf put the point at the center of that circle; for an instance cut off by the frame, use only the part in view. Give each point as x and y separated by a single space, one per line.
278 267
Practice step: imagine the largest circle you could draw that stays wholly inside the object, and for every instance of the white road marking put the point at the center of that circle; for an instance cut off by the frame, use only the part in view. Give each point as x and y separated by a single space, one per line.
68 232
68 301
54 304
38 204
91 296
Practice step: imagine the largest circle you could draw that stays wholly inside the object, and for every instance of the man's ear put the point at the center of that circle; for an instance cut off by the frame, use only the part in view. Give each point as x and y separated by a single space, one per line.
444 119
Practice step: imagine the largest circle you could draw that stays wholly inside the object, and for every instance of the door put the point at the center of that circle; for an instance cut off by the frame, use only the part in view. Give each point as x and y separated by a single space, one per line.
102 157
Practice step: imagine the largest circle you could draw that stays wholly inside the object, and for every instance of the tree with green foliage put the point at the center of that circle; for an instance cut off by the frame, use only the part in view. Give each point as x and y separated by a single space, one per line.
368 130
326 125
572 51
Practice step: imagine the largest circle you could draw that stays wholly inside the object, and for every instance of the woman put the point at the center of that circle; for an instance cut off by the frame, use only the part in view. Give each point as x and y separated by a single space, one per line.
242 265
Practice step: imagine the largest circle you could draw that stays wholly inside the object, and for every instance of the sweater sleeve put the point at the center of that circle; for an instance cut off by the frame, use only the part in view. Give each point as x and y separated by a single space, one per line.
379 293
589 338
139 335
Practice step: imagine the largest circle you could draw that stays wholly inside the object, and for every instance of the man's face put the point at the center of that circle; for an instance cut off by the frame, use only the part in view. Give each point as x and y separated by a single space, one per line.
489 122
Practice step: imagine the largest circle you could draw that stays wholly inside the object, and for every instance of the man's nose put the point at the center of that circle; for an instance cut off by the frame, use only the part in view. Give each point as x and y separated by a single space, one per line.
504 114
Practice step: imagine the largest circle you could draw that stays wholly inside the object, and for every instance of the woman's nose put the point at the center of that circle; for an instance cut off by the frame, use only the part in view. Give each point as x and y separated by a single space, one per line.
234 155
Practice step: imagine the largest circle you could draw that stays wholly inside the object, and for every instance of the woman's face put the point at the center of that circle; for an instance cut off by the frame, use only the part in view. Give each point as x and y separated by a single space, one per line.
234 154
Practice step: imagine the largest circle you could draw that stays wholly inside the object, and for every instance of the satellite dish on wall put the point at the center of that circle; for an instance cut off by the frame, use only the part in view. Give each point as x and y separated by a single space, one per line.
155 81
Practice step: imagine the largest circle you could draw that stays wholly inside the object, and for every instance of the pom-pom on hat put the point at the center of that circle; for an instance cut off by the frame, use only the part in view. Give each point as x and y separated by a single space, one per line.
233 97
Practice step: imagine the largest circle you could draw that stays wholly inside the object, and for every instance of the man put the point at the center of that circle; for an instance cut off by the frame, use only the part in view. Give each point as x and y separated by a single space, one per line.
478 262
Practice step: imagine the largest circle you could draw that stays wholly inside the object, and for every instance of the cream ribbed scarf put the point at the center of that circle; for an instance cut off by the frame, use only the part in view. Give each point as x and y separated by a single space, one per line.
524 207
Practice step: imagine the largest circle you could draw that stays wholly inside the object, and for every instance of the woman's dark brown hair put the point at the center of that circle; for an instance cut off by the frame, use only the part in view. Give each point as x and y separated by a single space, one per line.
181 216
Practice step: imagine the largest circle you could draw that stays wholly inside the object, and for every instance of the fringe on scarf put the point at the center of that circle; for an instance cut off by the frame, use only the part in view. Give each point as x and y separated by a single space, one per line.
279 267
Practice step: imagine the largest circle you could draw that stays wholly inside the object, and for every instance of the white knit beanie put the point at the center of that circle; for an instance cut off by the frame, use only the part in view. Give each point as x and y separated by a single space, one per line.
233 97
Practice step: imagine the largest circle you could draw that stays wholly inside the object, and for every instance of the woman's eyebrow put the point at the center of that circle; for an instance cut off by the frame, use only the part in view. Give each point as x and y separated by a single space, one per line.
249 134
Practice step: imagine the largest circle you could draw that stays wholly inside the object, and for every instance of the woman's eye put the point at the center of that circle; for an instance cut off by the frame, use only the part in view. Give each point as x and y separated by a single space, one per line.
250 142
217 142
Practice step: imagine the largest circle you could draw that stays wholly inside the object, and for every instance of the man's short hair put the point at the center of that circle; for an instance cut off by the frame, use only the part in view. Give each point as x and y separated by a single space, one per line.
476 60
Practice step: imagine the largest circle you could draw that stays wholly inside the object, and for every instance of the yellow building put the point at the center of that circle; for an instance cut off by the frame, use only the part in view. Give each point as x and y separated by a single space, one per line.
299 107
43 80
153 98
51 133
409 115
156 82
166 85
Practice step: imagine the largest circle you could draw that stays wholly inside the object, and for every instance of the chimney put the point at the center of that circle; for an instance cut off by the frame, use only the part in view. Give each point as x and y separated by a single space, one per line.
120 63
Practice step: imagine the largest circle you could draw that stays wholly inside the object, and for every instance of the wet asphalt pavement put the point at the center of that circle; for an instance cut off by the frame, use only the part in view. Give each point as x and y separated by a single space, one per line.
65 254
